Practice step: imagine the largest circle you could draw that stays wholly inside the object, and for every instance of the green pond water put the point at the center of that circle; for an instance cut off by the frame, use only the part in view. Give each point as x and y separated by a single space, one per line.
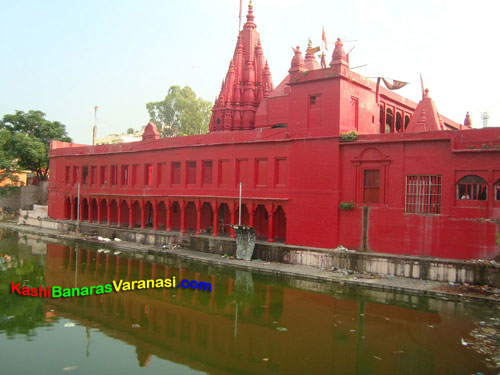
249 323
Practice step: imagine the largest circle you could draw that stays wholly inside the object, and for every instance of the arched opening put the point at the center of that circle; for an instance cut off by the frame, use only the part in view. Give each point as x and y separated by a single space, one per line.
67 208
162 215
224 218
279 223
113 212
382 119
124 218
497 190
407 121
389 121
245 217
261 221
94 210
148 214
75 208
190 216
136 214
104 211
399 122
175 212
207 217
473 188
84 211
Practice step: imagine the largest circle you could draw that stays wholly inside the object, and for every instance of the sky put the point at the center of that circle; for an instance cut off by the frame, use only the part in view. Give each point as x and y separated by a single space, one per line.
65 57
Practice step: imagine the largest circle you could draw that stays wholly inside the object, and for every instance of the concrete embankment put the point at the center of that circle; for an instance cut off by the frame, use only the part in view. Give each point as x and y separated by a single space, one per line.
413 267
209 250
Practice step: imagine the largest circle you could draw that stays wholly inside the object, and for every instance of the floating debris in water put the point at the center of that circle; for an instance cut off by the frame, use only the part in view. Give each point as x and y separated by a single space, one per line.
135 325
430 326
397 352
70 368
69 324
281 329
265 359
464 343
352 330
377 357
117 239
117 252
100 250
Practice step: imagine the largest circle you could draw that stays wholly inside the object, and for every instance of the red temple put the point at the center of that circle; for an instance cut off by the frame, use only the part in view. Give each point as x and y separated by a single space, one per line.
419 183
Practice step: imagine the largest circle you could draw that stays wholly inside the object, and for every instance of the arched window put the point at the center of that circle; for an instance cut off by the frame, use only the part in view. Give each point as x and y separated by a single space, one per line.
497 190
472 188
389 119
399 122
407 121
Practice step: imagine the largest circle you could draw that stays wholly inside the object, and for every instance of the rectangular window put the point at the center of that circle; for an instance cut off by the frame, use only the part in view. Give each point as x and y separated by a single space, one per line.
281 171
423 194
75 175
243 172
135 171
93 175
261 171
114 175
207 172
160 173
104 177
224 172
371 186
176 173
66 175
191 172
85 175
148 174
124 179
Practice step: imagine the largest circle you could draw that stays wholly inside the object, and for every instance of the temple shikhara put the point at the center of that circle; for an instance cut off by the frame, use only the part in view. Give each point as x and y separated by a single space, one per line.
326 158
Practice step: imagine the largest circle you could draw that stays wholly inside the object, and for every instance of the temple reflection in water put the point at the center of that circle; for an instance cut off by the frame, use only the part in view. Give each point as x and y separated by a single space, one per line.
249 323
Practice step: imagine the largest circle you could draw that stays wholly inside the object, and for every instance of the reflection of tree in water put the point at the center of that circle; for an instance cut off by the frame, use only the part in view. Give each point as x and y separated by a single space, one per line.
21 314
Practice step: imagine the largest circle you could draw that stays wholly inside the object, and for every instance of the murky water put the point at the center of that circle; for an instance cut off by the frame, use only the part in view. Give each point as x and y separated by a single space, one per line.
248 324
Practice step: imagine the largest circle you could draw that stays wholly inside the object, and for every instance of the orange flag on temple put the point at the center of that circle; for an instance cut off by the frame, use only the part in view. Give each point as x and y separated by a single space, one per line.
323 36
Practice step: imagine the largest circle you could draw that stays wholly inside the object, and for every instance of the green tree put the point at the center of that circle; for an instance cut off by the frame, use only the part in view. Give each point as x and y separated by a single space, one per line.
130 131
25 140
180 113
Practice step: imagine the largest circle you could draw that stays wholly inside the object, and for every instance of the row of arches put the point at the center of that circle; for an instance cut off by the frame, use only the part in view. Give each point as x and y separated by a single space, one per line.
210 217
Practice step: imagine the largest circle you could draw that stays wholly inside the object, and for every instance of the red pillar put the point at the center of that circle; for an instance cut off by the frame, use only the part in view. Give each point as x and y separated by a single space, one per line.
233 216
141 269
90 211
130 215
215 231
143 215
251 215
270 222
183 216
99 211
108 209
119 218
155 216
198 217
168 219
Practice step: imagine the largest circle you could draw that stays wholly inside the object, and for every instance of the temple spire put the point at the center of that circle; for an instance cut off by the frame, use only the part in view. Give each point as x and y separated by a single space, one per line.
247 81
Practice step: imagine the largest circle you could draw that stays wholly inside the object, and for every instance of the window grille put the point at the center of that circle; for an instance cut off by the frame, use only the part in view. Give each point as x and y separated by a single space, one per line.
423 194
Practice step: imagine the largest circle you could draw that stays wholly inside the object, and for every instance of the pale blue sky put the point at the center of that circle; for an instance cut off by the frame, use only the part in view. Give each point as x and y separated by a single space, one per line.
65 57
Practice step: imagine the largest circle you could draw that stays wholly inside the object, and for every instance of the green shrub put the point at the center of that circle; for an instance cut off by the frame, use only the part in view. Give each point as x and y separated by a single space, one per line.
346 205
349 136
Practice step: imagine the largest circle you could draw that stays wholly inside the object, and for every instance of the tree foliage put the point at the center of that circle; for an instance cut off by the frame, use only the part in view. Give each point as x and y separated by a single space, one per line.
25 140
180 113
